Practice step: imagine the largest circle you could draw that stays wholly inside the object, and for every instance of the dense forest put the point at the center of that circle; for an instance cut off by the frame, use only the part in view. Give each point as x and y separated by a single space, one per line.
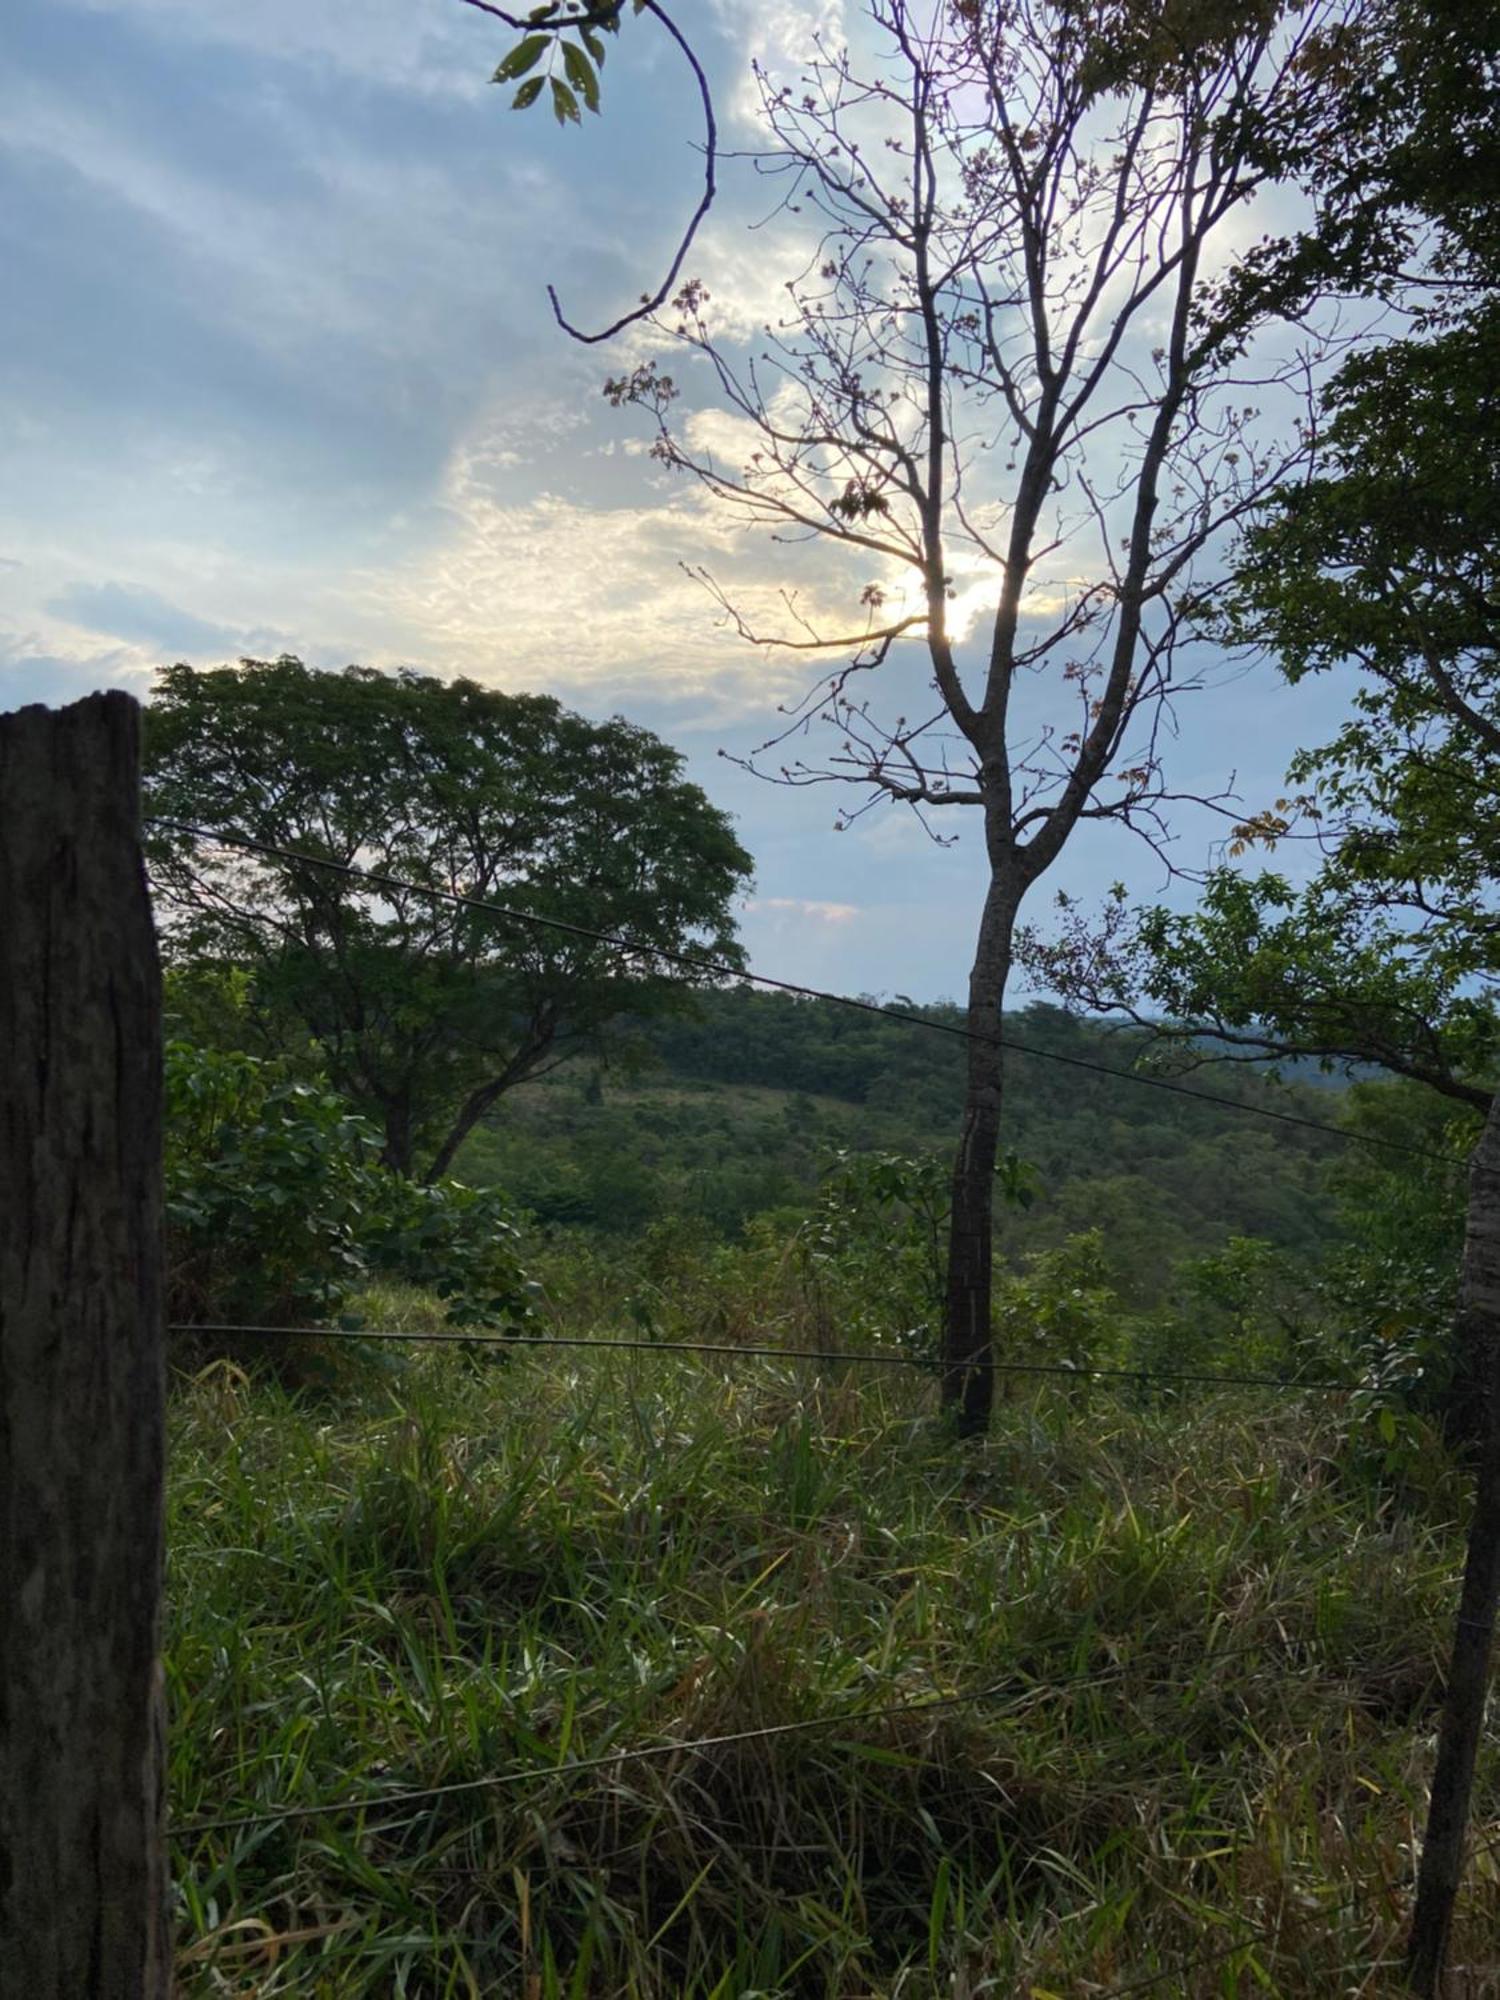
737 1109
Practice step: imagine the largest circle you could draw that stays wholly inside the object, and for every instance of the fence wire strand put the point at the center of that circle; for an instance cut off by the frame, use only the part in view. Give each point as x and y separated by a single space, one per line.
735 1351
694 1746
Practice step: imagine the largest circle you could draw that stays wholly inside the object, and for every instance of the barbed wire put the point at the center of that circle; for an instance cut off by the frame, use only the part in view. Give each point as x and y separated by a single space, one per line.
732 1350
725 968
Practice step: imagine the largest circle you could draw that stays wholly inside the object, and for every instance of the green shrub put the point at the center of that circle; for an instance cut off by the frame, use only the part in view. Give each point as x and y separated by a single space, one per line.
278 1211
876 1245
875 1248
1060 1309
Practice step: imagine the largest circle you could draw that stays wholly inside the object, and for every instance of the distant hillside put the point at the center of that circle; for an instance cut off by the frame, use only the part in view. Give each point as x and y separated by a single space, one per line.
734 1112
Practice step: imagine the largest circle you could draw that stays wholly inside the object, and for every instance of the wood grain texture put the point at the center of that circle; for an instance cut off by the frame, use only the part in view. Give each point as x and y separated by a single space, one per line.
82 1868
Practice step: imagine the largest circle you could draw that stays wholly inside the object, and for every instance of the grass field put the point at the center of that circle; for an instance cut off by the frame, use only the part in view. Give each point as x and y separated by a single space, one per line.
1211 1657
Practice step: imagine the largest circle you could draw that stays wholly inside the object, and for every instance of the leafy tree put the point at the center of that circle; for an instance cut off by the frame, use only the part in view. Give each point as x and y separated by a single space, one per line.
1401 176
425 1012
1382 566
1011 376
1261 969
1388 562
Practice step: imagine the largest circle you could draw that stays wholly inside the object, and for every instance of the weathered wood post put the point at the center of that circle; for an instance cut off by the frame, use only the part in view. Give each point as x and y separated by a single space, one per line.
82 1859
1468 1672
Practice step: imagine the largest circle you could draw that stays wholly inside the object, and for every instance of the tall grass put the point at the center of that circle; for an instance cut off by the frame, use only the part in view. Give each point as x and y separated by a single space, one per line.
1214 1657
1215 1665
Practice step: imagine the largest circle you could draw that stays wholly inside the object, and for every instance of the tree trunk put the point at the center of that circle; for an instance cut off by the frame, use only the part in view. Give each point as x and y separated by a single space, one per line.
396 1155
82 1859
473 1108
1468 1673
1475 1331
968 1347
470 1112
482 1099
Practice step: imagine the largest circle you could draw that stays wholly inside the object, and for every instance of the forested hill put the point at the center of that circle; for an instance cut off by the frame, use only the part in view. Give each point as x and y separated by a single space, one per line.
736 1110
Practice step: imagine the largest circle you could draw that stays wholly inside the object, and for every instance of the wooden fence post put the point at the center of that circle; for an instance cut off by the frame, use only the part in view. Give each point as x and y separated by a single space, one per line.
1468 1671
82 1852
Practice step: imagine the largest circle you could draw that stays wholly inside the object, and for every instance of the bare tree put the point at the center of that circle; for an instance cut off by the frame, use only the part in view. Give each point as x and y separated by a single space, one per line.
1021 380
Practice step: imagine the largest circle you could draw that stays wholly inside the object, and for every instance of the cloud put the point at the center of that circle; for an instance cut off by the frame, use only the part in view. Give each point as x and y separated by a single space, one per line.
779 35
559 590
428 49
143 618
802 906
28 675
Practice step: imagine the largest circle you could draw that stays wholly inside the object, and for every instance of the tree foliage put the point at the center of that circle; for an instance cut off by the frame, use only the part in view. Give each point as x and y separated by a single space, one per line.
279 1214
1387 562
1401 173
1380 566
425 1012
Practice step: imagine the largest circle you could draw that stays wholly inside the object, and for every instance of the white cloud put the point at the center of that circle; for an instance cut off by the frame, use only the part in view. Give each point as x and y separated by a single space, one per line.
801 906
559 590
436 48
33 668
781 35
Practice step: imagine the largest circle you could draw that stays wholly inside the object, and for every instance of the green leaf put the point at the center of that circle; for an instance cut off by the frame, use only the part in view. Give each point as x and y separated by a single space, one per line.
581 75
564 103
529 92
593 44
524 56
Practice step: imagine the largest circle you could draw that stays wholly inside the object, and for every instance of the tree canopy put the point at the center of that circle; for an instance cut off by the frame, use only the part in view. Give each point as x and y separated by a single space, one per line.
426 1012
1381 566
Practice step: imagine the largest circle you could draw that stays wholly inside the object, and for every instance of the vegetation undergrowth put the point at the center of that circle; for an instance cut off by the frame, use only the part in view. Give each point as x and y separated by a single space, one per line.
1211 1649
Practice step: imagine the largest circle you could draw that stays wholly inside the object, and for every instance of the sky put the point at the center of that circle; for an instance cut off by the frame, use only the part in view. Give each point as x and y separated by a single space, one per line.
278 373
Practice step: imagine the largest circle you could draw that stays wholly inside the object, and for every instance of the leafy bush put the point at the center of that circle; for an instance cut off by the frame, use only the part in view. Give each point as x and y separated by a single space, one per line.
278 1211
1060 1309
456 1241
1246 1308
1390 1287
877 1242
873 1248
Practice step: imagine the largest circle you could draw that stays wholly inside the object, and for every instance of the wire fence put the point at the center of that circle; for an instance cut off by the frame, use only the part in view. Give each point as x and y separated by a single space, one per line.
750 1351
916 1705
1002 1693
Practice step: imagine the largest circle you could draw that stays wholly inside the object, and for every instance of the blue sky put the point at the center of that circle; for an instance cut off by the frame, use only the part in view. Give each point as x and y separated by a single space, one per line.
277 372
